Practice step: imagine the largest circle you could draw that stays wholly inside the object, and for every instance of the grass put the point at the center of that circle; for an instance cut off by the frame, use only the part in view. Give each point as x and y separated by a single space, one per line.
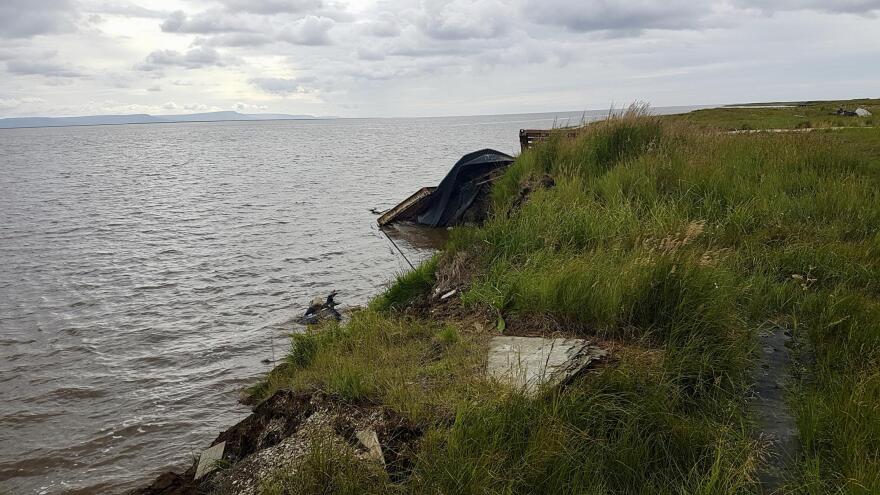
328 466
418 368
790 115
676 244
407 287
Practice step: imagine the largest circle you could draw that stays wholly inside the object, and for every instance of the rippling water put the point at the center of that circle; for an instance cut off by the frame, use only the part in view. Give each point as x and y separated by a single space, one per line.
147 270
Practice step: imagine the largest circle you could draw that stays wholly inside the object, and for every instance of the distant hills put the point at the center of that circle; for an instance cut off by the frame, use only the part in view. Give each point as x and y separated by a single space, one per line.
143 118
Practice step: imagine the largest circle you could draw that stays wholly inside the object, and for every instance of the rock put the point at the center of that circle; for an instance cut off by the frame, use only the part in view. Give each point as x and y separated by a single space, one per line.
861 112
529 362
370 441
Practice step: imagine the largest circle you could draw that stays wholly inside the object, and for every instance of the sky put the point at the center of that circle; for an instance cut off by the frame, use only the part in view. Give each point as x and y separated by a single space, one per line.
386 58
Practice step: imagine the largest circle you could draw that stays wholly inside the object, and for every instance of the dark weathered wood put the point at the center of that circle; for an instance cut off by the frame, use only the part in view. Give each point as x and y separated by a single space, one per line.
408 208
529 137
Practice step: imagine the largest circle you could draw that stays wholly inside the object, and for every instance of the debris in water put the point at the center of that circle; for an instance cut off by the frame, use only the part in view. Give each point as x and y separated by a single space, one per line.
461 197
409 208
321 310
528 362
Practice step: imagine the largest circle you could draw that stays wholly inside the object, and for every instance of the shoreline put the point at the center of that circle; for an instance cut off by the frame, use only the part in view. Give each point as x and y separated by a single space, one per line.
409 368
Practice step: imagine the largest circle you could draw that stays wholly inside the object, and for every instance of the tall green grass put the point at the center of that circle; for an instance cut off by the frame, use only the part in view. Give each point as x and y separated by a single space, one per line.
690 241
796 115
407 287
677 245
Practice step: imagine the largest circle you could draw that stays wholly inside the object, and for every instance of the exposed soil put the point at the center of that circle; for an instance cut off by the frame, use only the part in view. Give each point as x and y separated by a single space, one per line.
280 431
527 187
454 276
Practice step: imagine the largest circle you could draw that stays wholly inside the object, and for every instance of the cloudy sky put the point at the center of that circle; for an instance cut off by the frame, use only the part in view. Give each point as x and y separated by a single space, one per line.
428 57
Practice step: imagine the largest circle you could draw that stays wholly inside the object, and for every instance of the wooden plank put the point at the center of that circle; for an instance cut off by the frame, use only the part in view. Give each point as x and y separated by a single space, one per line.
528 138
407 207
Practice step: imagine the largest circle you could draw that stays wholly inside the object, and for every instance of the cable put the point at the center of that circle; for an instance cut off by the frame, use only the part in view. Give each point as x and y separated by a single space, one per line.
397 247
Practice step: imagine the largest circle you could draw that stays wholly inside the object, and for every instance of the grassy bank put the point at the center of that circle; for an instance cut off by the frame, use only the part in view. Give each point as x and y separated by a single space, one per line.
672 245
784 115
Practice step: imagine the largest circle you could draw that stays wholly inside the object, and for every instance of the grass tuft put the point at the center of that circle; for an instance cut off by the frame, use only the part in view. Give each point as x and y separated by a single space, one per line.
407 287
328 467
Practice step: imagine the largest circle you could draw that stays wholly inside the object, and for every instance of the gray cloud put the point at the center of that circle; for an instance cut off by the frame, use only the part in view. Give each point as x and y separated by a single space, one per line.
27 18
234 40
8 103
432 56
415 50
310 30
464 19
385 25
41 68
269 7
123 8
283 86
390 72
191 59
629 17
528 52
207 22
862 7
223 28
370 53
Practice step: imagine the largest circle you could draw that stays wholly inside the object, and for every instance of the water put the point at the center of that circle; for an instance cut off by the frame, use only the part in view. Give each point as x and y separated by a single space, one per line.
147 270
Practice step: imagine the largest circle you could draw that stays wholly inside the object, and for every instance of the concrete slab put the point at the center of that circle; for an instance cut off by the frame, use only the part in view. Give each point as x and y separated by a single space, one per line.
208 459
529 362
370 440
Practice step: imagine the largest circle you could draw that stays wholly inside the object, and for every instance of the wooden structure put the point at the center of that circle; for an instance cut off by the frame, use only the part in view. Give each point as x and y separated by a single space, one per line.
408 209
529 137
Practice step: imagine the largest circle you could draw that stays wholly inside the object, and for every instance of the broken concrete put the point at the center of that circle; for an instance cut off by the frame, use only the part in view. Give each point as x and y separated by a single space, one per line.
370 441
280 432
528 362
209 459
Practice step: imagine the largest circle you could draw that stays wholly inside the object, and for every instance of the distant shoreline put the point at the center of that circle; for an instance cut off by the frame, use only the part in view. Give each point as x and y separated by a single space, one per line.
159 123
144 118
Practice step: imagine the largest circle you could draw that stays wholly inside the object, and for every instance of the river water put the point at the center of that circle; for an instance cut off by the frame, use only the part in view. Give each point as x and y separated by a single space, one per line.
147 271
